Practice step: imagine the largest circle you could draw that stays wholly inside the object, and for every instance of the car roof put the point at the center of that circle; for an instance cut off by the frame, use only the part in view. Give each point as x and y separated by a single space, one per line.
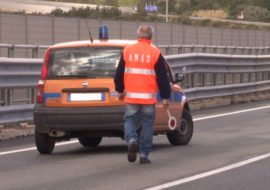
88 43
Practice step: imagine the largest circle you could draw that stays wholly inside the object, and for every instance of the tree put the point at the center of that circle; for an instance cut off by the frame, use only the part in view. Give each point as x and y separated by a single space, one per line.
141 4
57 12
254 13
183 6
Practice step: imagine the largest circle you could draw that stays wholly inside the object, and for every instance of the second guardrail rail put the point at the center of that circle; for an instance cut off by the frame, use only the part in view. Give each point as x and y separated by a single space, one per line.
37 51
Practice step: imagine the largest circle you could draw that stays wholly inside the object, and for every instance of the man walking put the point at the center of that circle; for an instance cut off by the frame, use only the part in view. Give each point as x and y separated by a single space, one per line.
139 75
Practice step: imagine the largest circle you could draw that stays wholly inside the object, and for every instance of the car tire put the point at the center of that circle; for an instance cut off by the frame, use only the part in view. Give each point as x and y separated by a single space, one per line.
44 143
90 142
183 133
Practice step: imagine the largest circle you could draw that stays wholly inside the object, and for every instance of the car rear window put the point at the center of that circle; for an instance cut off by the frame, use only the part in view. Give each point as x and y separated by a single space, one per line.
84 62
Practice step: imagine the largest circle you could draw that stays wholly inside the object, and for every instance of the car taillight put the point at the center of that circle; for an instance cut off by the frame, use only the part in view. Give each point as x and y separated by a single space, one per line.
40 91
44 73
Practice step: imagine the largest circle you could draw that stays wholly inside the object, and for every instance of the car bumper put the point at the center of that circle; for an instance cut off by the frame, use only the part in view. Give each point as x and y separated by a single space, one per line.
109 118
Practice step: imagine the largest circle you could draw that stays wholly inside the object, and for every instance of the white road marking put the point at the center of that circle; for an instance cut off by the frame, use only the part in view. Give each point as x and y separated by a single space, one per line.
34 148
231 113
209 173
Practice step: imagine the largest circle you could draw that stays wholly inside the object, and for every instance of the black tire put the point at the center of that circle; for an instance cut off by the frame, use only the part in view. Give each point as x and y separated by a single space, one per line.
44 143
184 131
90 142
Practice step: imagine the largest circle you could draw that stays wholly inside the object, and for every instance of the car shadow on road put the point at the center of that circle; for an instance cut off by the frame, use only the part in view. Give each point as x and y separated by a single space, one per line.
105 149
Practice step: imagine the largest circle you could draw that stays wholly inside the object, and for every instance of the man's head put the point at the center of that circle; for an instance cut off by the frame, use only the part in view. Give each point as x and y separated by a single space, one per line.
145 31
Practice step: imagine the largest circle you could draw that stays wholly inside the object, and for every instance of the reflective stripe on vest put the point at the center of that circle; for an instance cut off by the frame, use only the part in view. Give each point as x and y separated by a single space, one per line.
140 71
141 95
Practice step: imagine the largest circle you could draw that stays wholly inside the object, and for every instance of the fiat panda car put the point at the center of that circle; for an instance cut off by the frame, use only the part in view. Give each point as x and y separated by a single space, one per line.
76 97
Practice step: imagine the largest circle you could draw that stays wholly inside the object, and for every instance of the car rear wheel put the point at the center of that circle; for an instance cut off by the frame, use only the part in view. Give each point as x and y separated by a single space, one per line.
90 142
44 143
184 131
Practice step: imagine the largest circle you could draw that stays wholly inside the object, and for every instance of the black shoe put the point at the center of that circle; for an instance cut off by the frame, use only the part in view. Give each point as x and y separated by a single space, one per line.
132 152
145 160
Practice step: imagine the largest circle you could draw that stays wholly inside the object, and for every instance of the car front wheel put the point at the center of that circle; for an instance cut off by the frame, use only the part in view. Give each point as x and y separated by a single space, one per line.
183 132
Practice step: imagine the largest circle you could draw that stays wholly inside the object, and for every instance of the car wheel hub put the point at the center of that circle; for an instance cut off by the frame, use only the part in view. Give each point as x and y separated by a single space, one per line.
183 129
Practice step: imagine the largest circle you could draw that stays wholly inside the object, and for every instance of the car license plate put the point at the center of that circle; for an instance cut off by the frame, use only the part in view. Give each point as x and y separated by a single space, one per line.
86 97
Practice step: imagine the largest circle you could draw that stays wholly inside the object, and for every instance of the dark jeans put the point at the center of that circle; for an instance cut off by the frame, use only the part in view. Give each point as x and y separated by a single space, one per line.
136 115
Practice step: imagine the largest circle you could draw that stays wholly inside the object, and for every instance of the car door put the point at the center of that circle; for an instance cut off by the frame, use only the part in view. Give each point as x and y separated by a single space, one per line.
175 104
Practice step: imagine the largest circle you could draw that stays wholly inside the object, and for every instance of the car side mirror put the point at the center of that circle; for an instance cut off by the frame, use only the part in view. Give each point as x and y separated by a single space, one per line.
178 77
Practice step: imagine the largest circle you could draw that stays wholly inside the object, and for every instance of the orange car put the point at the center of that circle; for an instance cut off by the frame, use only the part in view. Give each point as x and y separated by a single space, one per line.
76 97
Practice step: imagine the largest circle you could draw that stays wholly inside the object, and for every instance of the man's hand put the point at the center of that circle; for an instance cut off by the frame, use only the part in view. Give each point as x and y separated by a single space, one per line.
121 96
175 88
165 104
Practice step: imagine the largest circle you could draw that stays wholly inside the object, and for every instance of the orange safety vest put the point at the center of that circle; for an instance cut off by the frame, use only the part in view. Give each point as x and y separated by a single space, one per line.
140 77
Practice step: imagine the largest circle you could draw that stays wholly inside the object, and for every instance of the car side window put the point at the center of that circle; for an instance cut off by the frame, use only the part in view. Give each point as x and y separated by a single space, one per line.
168 72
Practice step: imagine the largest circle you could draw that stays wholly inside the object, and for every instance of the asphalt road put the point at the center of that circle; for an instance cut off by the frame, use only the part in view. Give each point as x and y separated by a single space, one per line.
229 151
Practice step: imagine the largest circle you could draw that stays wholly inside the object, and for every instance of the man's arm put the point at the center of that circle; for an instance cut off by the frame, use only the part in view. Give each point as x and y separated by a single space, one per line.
162 78
119 76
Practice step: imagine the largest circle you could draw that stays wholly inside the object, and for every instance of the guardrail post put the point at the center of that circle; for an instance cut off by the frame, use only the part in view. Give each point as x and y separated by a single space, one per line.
249 77
203 79
234 50
6 97
264 51
225 50
245 50
267 50
204 49
167 50
2 96
238 50
9 97
224 78
257 51
214 79
33 95
190 80
241 78
215 49
250 51
35 52
11 51
192 49
180 50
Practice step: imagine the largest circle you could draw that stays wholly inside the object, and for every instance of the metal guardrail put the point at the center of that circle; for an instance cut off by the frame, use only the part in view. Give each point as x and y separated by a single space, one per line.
16 113
226 90
203 70
18 77
38 50
207 76
233 50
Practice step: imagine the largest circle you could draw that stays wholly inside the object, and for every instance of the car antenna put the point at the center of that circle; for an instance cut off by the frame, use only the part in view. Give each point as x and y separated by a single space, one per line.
89 32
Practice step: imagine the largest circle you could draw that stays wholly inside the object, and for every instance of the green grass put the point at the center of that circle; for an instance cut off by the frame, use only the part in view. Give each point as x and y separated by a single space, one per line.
127 2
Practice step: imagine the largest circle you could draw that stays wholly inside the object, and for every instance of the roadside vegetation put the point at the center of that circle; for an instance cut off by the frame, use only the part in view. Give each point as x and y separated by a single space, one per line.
102 2
180 11
250 10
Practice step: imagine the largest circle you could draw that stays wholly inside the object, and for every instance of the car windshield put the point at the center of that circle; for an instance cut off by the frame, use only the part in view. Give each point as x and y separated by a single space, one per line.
86 62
